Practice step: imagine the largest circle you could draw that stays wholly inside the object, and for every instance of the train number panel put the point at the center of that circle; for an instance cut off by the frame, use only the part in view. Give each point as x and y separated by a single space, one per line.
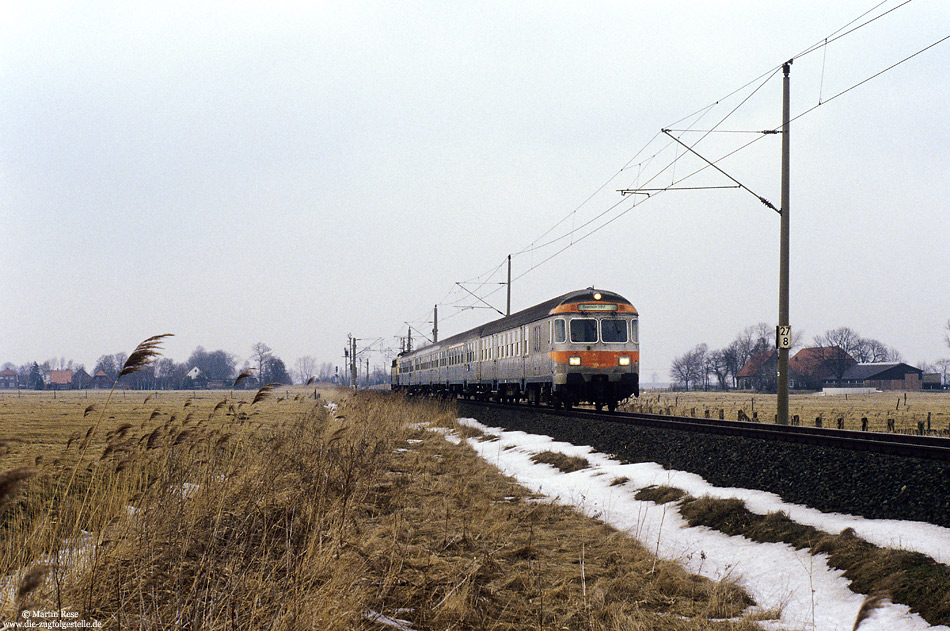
581 347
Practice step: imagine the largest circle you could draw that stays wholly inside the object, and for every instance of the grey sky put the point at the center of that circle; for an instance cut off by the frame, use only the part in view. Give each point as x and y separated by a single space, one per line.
293 172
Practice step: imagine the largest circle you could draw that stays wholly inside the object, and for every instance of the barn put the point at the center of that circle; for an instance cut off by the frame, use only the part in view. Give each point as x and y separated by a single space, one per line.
882 376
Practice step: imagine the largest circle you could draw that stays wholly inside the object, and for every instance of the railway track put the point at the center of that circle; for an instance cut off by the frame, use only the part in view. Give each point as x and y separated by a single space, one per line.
880 476
906 445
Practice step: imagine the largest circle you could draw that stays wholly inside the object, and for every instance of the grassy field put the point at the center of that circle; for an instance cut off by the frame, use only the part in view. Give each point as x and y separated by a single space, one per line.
208 510
905 409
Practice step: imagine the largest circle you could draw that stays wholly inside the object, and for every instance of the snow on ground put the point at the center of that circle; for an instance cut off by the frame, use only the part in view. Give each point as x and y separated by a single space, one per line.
810 594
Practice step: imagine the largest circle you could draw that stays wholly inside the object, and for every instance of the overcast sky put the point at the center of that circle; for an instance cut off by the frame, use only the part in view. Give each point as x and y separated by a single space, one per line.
293 172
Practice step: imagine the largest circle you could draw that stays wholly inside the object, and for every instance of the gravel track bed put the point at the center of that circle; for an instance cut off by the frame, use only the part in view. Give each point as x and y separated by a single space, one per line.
872 485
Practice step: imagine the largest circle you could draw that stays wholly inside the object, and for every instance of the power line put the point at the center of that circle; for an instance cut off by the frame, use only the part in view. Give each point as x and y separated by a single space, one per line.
701 113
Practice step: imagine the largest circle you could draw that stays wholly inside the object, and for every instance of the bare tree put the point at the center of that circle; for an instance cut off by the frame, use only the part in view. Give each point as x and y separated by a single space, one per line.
838 349
306 368
690 368
943 367
719 365
326 372
870 351
260 353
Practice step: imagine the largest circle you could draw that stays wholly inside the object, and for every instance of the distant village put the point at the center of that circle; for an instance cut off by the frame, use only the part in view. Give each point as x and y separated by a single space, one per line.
204 370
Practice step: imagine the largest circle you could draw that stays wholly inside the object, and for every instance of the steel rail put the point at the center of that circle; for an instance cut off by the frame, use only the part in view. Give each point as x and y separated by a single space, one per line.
904 445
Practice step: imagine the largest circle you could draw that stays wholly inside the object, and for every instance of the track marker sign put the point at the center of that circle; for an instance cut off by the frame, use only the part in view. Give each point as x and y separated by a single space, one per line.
783 336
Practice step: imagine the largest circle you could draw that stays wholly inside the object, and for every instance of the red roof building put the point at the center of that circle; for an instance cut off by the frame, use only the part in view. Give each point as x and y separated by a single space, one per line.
60 380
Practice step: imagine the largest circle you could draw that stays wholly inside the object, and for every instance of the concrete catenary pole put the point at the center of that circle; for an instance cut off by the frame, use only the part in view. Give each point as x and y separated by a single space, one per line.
783 334
508 309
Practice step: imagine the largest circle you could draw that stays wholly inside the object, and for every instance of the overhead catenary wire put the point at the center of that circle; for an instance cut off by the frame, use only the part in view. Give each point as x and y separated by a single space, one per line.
580 231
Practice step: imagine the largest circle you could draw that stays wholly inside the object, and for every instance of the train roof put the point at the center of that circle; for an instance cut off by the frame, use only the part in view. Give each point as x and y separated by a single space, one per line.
531 314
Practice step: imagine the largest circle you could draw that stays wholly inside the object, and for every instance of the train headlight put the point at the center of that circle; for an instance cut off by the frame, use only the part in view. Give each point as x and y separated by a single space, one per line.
623 360
574 361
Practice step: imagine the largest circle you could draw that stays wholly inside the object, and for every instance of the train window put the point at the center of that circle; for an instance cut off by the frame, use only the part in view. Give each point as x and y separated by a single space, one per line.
634 331
560 332
583 330
613 330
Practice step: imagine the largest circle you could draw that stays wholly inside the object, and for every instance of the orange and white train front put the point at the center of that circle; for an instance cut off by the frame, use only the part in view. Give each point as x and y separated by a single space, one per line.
595 349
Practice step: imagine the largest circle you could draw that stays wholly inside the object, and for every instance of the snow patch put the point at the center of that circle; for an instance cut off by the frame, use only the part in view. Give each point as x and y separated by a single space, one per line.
809 593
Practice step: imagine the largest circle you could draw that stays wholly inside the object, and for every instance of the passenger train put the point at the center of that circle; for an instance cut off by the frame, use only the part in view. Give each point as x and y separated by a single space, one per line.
581 347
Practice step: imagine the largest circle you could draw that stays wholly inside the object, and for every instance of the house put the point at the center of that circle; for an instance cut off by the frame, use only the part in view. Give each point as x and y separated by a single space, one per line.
883 376
194 378
8 380
810 367
81 379
60 380
760 373
101 381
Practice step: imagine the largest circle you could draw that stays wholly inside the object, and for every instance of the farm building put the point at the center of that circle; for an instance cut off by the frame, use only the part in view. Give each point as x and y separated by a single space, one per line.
81 379
810 367
59 380
759 373
101 381
8 379
883 376
807 369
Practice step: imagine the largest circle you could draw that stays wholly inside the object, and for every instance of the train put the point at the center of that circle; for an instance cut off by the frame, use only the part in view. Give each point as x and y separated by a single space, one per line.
580 347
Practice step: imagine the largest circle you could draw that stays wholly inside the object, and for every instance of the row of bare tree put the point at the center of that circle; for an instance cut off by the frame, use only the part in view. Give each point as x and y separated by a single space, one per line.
703 368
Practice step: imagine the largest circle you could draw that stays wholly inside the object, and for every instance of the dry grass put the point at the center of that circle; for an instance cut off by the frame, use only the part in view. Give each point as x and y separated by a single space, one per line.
563 462
905 409
283 516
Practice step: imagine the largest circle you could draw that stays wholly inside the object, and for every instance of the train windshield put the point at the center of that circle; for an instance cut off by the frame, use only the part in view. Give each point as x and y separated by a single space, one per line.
584 331
613 330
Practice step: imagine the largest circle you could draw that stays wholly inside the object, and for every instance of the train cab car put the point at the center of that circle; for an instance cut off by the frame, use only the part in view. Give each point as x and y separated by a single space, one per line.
595 349
581 347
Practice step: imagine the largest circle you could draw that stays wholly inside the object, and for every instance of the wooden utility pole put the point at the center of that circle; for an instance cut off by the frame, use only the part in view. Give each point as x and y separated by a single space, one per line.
435 324
784 331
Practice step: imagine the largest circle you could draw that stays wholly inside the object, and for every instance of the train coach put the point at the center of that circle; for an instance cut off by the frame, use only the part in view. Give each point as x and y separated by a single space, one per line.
581 347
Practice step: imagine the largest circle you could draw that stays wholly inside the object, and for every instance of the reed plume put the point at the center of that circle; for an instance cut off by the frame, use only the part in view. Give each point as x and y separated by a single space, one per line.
89 410
12 480
143 355
244 375
265 392
872 603
31 580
